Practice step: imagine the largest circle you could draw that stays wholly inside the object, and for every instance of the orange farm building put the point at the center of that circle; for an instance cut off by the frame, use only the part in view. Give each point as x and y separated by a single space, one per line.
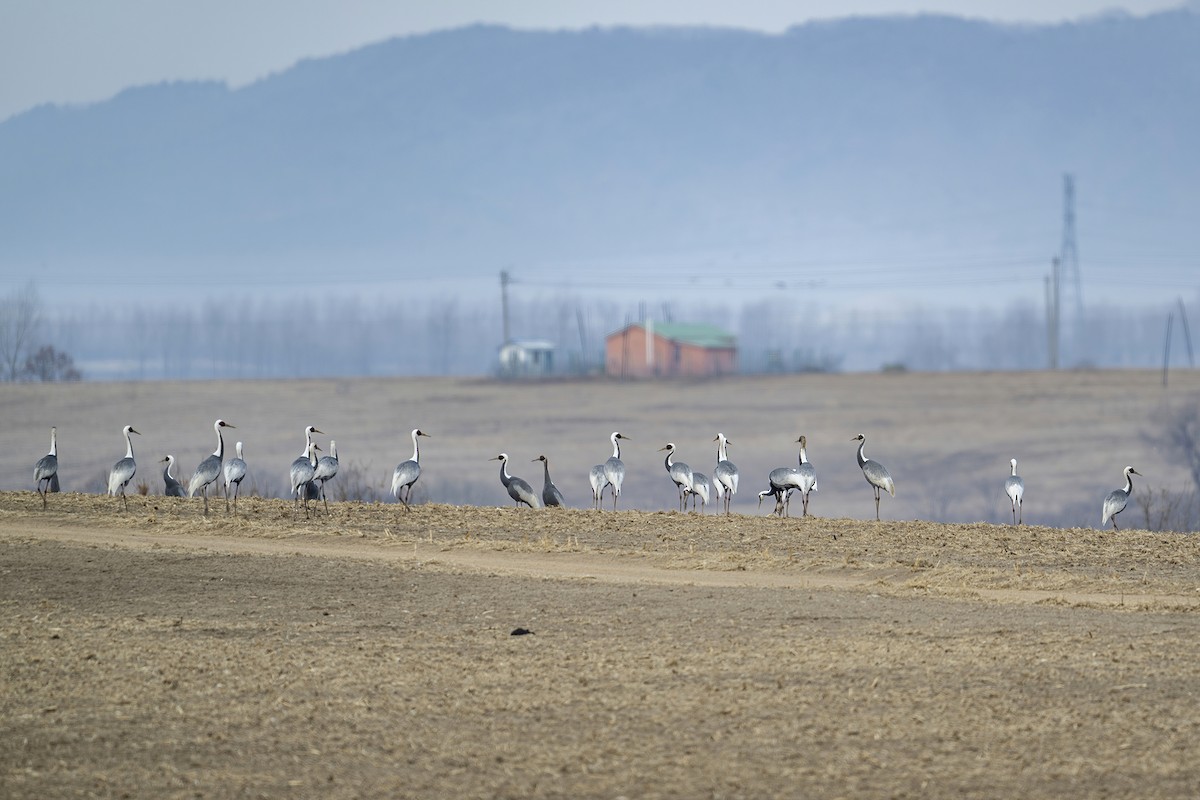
669 349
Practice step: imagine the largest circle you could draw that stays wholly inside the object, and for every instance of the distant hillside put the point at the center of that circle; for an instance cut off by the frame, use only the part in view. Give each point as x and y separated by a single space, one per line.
480 147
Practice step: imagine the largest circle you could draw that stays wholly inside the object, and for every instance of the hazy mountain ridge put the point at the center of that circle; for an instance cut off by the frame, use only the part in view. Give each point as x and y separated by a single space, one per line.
475 147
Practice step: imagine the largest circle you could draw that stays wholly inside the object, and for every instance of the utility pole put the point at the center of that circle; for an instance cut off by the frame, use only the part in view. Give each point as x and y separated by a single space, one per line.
1068 258
1052 313
504 281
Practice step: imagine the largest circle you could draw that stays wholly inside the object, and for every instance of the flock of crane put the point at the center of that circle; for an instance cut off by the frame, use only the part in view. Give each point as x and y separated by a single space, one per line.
309 474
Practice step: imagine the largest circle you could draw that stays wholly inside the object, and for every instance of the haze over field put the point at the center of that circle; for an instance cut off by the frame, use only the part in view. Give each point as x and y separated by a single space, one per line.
857 189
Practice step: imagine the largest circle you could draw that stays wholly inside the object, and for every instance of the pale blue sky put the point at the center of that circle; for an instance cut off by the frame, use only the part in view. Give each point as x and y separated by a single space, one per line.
79 51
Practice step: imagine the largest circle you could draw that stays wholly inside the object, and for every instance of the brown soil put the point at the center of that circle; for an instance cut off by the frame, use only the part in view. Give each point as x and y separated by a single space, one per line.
369 653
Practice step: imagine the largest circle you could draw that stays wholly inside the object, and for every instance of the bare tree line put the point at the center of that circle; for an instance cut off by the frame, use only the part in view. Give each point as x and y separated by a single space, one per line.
446 335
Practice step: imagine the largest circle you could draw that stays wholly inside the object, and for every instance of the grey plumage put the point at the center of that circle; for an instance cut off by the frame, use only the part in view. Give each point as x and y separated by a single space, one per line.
407 472
210 468
725 474
171 485
234 471
1117 499
598 481
875 473
614 467
301 474
785 480
123 471
680 473
518 489
1014 487
46 469
327 467
551 496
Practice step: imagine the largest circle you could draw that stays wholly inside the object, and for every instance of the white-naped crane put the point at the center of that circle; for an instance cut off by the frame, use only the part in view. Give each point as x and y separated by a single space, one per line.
301 474
46 469
123 471
1117 499
1014 487
518 488
407 472
172 486
598 481
210 468
551 496
327 468
875 473
234 471
725 474
680 472
614 467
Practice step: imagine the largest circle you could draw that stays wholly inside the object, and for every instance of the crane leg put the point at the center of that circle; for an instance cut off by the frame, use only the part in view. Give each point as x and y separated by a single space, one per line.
1021 518
877 504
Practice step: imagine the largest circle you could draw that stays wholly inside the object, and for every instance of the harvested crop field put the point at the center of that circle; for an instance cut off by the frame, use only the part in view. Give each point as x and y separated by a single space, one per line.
370 653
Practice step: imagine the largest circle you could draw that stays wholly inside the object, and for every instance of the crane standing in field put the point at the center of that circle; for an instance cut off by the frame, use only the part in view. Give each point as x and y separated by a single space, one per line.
210 468
518 488
725 474
598 481
407 472
327 468
234 471
1117 499
875 473
551 496
172 487
680 473
123 471
614 467
1014 487
46 468
301 474
701 488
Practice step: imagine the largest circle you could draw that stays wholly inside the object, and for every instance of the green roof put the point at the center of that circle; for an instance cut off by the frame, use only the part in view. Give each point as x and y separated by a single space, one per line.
695 333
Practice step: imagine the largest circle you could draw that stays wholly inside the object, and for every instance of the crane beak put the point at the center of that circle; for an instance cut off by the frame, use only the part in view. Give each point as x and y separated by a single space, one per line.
230 425
131 430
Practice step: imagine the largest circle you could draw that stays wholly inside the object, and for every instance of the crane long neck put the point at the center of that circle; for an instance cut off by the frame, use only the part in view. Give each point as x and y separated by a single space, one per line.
546 468
616 448
220 451
53 443
312 455
307 442
722 454
1014 467
667 460
1128 483
862 458
128 446
167 471
416 448
804 457
505 478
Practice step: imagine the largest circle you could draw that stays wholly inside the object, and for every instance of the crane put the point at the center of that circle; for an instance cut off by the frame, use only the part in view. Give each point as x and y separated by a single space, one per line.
680 473
407 472
234 470
518 488
1117 499
210 468
123 471
551 496
46 469
875 473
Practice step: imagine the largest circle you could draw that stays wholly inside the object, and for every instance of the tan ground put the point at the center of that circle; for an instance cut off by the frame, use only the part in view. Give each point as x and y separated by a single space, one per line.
369 654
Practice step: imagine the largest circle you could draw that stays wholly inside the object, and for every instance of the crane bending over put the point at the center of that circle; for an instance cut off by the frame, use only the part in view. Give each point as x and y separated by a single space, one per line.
327 467
302 471
407 472
598 482
1117 499
785 480
875 473
210 468
725 474
123 471
46 468
1014 487
233 471
614 467
518 488
172 487
551 496
680 473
